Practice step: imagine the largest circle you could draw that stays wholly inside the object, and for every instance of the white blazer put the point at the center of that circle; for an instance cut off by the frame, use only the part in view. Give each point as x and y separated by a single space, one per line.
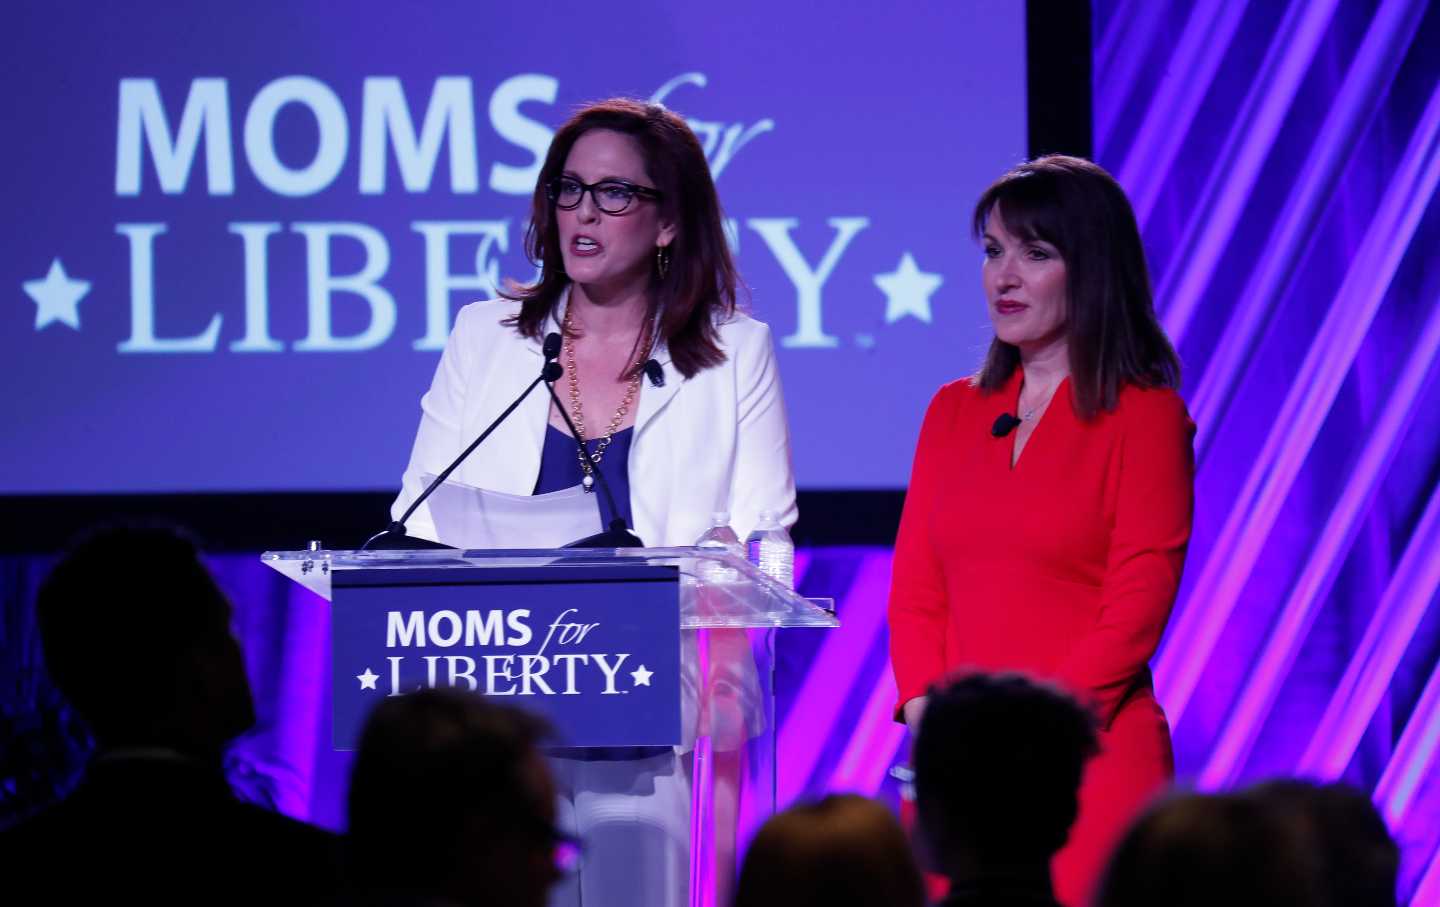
716 441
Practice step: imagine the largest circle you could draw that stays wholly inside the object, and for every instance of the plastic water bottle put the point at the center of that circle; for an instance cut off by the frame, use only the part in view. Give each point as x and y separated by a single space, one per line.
720 536
769 548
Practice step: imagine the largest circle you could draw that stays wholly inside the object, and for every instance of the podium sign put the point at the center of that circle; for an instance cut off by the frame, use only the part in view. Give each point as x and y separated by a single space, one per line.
597 652
592 638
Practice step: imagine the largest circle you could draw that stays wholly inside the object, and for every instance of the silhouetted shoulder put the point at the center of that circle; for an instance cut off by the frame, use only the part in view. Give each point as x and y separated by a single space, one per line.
212 849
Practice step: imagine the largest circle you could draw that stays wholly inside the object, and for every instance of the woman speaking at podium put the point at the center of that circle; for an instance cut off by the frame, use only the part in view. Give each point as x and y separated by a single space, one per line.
675 392
1049 509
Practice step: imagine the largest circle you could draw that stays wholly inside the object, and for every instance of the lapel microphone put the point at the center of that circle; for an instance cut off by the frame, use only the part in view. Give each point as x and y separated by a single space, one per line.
1004 425
655 373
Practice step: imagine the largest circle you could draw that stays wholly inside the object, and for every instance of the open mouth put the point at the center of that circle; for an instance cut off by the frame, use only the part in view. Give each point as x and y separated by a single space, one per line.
584 245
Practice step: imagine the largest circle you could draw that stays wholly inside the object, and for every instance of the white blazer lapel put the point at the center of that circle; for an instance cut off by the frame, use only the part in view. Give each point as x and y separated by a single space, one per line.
509 460
654 399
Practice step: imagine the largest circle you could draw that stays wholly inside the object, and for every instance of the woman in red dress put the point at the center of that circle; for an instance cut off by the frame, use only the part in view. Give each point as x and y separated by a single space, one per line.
1049 507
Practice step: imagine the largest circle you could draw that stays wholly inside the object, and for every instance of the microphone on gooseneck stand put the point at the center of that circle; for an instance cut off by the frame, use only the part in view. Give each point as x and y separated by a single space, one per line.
1004 424
617 534
550 372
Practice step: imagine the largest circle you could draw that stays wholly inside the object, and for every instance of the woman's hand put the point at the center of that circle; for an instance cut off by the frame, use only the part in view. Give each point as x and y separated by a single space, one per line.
913 711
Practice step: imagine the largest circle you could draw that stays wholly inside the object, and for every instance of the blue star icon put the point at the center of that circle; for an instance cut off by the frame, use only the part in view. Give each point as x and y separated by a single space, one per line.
641 676
367 680
907 290
57 297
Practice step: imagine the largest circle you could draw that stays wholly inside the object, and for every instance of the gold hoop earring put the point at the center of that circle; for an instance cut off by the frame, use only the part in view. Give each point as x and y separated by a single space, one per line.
662 260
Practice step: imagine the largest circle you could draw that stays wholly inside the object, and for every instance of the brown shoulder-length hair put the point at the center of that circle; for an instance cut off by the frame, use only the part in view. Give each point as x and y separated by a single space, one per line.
1114 337
698 288
843 849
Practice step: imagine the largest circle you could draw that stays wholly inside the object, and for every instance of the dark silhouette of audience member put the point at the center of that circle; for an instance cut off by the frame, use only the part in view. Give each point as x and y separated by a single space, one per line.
136 634
1358 861
452 803
842 850
998 761
1197 850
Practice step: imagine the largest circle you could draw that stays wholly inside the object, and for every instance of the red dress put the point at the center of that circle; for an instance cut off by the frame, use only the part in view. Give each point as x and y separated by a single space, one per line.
1065 567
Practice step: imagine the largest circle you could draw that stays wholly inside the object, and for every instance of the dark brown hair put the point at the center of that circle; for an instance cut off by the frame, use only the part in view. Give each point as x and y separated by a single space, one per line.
699 286
1198 850
435 763
1356 859
998 763
844 849
1114 336
173 643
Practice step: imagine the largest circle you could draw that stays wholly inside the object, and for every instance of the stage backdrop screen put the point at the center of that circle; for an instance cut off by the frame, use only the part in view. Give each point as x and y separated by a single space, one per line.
238 232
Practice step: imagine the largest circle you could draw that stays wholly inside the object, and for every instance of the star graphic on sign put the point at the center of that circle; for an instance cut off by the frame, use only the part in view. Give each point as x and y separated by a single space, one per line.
907 290
57 297
367 680
641 676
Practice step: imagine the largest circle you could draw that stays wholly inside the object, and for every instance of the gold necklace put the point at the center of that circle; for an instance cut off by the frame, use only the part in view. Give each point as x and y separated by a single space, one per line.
577 412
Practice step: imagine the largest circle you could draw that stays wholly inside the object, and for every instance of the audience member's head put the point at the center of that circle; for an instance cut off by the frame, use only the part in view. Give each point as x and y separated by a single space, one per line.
451 799
998 762
844 849
1358 861
1196 850
136 634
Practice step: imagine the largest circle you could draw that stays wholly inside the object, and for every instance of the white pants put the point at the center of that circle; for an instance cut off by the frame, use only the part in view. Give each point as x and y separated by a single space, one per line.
633 817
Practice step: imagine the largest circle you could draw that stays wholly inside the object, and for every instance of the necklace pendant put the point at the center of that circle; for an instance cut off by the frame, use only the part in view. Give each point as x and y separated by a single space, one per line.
588 483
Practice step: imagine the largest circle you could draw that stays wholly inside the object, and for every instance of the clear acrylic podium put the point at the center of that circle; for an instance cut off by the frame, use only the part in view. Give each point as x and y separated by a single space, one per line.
728 613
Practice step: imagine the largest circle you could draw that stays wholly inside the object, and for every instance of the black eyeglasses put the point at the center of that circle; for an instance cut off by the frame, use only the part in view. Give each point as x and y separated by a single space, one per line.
611 196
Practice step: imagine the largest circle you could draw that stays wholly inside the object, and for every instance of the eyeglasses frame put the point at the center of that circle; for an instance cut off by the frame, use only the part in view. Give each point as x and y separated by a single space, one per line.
552 191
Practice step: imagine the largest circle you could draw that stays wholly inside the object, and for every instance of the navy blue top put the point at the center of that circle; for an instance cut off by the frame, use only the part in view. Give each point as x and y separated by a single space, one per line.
560 469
